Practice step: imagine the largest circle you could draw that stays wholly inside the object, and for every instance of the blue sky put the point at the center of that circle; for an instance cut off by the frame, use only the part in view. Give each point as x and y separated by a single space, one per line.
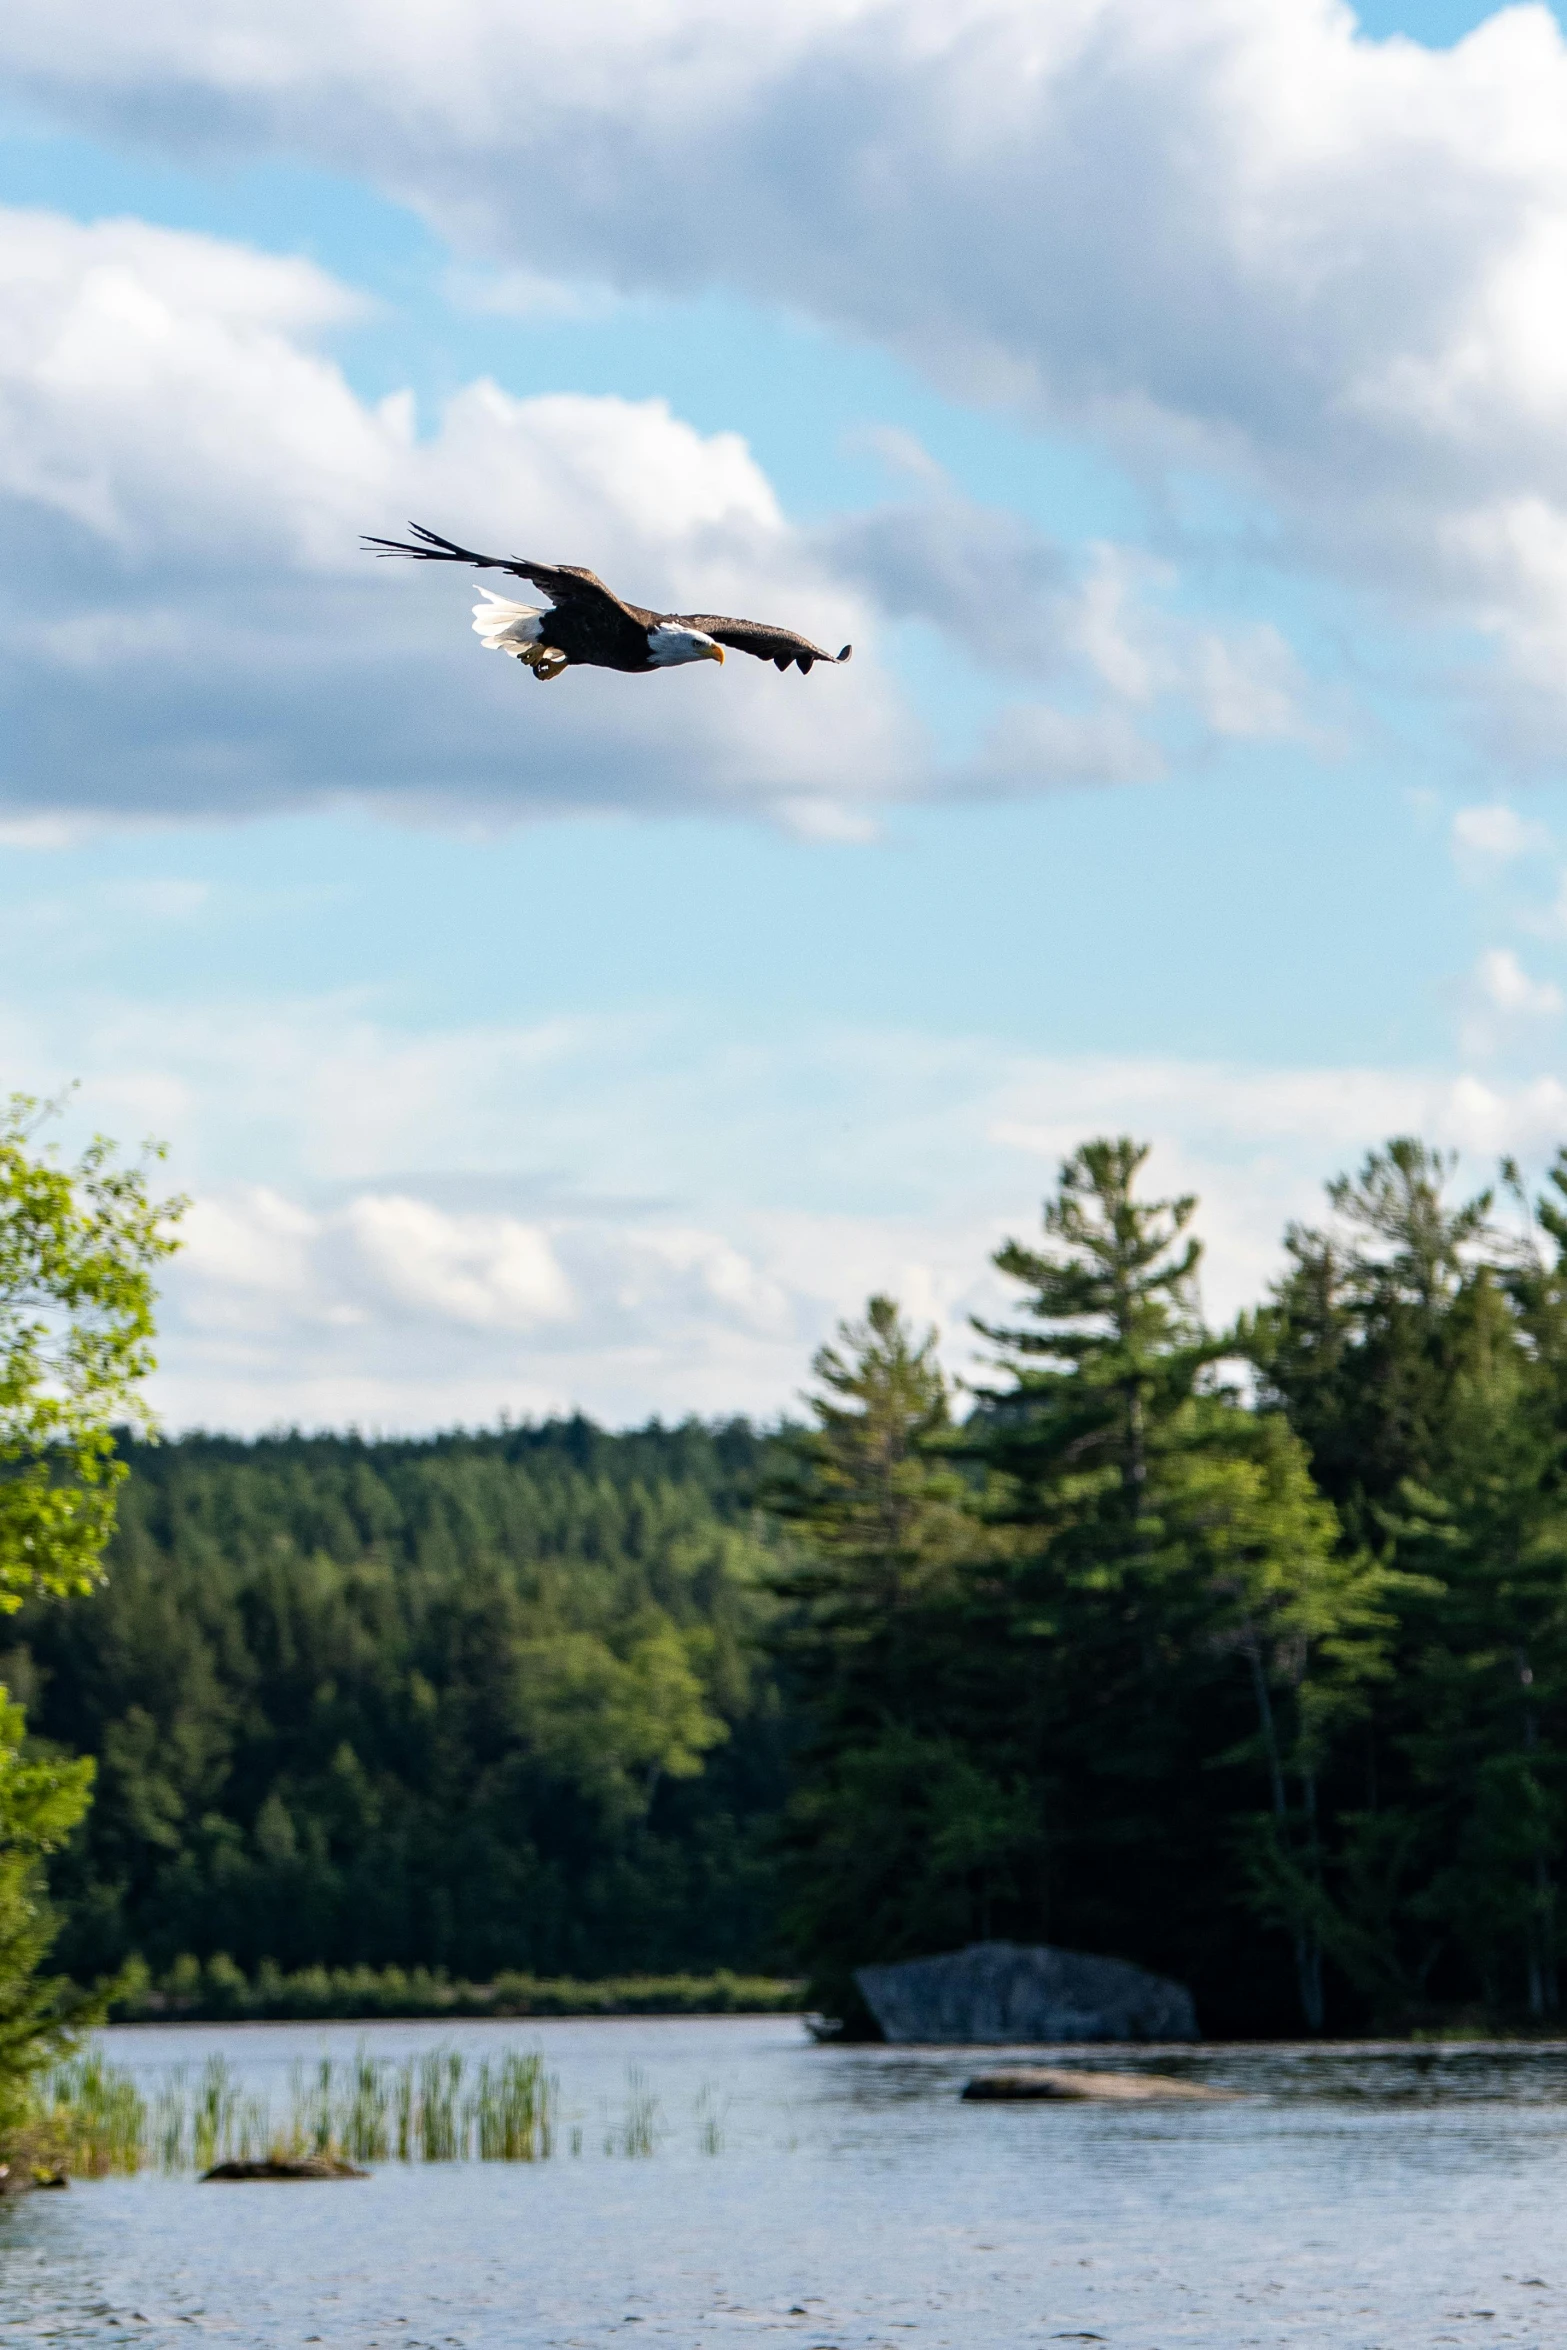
1199 773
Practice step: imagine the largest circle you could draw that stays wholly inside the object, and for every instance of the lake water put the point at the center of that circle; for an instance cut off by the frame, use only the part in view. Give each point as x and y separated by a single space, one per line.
1353 2198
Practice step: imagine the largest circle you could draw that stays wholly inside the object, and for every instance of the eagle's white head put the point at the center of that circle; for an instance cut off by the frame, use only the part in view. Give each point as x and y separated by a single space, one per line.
669 644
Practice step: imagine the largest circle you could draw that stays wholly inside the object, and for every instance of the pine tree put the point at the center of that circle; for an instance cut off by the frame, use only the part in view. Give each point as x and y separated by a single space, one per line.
1102 1640
1363 1338
1311 1625
1413 1350
900 1837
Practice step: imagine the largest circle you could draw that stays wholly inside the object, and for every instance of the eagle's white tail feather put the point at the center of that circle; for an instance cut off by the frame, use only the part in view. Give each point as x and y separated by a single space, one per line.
504 627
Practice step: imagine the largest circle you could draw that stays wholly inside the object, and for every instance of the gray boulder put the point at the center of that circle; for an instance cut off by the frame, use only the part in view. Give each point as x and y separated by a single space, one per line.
997 1992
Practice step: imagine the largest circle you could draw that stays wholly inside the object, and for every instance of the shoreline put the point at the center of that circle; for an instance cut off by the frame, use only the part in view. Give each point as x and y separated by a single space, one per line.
219 1993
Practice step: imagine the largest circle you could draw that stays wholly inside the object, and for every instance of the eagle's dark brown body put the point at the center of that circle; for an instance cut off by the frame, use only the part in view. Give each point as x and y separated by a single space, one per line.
589 626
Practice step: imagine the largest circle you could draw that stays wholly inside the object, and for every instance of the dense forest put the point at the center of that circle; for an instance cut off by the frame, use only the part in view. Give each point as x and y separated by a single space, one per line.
480 1702
1241 1652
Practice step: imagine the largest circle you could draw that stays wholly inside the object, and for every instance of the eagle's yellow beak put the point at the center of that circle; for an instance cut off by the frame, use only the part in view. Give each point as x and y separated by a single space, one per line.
716 653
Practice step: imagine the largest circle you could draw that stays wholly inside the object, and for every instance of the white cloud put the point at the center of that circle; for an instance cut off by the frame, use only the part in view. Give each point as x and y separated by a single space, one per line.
47 833
987 582
190 627
392 1306
1250 685
523 293
653 1215
901 452
1506 986
252 1245
398 1309
1226 237
1490 837
485 1272
1554 919
1032 747
1502 998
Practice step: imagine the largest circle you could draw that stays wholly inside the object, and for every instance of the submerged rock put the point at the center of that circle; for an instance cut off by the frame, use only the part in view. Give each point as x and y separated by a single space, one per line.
1015 1991
1039 2083
287 2166
25 2178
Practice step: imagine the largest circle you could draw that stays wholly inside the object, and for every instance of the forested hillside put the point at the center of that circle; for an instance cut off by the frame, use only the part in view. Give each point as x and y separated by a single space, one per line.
477 1702
1241 1653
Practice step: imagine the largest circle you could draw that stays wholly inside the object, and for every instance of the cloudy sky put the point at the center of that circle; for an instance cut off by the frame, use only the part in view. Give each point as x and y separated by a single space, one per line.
1168 402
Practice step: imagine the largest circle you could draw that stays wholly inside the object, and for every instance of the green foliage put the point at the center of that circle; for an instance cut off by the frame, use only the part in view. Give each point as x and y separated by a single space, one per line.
218 1992
1239 1653
1419 1349
91 2119
886 1828
1140 1505
79 1247
41 1801
1264 1688
474 1704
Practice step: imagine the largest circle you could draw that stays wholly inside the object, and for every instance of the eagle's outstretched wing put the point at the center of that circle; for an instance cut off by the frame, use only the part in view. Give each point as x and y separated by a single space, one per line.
566 584
781 646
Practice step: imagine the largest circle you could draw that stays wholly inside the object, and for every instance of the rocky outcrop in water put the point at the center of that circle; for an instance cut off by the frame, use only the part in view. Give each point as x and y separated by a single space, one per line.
1038 2084
1016 1991
287 2166
22 2178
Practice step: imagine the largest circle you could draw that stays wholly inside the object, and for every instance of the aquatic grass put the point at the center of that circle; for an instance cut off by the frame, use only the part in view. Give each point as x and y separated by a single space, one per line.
403 2107
167 2134
365 2128
309 2129
711 2108
639 2124
440 2078
95 2118
430 2106
216 2112
511 2111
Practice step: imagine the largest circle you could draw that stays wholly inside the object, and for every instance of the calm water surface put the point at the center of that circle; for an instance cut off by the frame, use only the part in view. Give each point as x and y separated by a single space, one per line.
1350 2199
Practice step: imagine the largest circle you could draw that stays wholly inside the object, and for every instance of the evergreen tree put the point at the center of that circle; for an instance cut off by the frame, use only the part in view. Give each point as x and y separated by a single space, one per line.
1098 1643
900 1833
1364 1337
1198 1635
1312 1626
1485 1714
1413 1350
470 1701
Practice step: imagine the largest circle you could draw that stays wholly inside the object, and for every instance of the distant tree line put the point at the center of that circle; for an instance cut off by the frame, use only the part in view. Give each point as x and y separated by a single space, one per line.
1241 1653
479 1703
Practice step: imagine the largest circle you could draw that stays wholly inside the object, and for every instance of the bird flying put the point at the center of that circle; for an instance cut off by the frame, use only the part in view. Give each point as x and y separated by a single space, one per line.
586 625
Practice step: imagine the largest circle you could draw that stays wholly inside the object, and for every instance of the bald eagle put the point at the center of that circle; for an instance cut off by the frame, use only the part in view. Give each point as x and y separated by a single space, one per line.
586 625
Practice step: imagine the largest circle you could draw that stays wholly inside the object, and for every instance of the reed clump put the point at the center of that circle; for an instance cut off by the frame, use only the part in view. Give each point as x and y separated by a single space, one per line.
435 2105
429 2107
92 2119
639 2127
